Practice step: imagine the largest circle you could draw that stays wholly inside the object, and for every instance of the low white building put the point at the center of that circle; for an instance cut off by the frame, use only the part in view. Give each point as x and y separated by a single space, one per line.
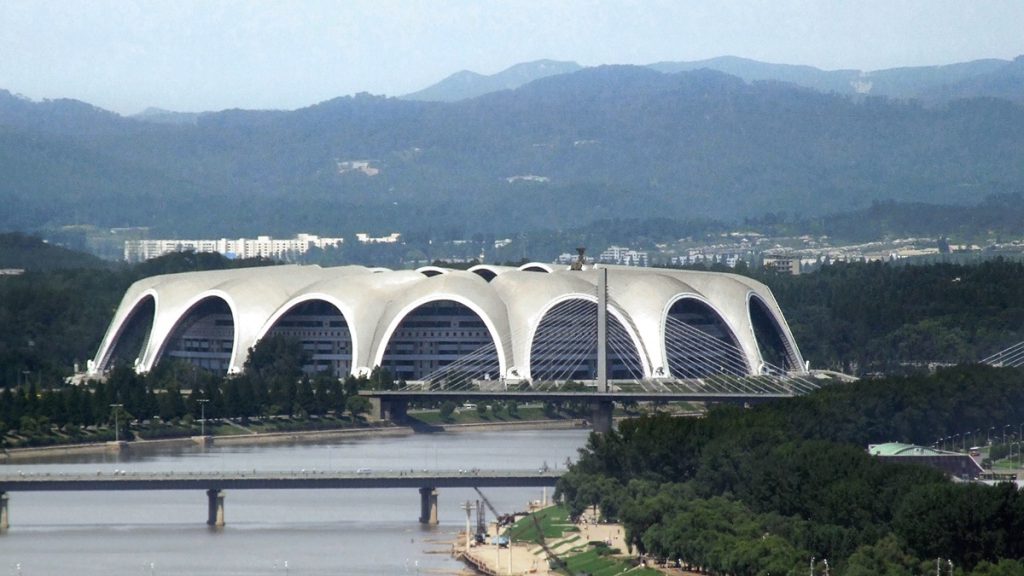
262 246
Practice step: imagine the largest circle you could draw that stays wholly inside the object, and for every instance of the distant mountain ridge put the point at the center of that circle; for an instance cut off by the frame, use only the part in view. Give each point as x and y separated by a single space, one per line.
466 84
932 84
161 116
563 150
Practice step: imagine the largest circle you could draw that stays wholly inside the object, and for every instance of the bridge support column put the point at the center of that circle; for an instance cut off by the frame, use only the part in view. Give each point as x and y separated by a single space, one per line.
601 415
389 409
5 521
428 505
215 510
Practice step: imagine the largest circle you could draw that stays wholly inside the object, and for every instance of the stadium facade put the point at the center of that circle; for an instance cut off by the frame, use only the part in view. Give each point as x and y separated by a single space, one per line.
536 322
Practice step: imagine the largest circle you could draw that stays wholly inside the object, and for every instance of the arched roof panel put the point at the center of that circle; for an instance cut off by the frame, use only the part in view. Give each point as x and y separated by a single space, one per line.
463 287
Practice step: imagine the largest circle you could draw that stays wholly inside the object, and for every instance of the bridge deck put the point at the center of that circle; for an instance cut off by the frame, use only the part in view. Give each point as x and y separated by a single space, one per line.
275 480
576 396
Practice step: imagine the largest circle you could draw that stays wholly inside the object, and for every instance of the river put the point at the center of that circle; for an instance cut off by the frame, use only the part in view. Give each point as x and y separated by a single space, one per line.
315 532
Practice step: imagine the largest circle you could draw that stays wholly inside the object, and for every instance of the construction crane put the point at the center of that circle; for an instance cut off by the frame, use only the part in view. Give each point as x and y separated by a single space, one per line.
499 518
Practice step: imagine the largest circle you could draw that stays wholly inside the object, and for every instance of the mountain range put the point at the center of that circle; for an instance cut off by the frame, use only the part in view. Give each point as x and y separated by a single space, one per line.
561 150
931 84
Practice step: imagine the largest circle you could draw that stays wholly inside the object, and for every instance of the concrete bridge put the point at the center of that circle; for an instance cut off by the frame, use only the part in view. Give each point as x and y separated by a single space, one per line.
215 483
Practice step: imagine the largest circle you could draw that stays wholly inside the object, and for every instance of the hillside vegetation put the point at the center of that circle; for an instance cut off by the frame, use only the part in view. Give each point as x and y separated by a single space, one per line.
563 150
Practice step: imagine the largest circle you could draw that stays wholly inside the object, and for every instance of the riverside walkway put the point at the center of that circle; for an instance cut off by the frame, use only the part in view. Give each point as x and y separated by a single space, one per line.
214 483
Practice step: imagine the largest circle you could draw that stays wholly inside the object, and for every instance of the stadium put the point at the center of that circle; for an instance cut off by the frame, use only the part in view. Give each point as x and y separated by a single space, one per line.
490 324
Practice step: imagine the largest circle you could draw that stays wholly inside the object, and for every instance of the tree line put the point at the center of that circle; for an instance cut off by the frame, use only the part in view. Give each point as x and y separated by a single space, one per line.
885 318
272 384
763 490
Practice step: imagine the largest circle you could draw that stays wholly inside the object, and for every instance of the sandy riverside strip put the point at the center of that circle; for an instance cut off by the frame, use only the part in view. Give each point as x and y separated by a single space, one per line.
531 559
16 454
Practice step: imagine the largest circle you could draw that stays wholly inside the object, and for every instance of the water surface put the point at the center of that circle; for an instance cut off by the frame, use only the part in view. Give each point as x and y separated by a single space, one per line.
337 532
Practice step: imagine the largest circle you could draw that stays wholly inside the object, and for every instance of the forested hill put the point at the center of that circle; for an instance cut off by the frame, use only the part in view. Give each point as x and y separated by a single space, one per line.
563 150
21 252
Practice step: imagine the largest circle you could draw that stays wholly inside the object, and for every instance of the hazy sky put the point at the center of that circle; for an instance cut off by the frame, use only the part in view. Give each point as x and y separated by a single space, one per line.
126 55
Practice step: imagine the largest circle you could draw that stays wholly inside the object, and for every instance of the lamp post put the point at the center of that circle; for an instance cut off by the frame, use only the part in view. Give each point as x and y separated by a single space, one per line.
468 507
1020 428
202 418
117 422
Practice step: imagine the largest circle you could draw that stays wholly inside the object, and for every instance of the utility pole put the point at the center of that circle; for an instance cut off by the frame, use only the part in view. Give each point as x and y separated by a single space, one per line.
468 507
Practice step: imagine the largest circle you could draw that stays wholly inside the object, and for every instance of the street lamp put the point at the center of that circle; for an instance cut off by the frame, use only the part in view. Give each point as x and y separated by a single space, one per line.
1020 428
202 418
117 425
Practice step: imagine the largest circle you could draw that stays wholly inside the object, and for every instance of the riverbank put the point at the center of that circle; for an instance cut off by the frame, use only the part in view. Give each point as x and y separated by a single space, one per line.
258 438
539 545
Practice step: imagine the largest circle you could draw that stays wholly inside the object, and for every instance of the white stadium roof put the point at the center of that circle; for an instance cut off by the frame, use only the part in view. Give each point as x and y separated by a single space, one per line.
510 302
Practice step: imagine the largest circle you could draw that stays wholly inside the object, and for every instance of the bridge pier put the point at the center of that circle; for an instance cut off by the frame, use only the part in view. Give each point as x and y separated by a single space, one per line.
394 409
601 416
5 521
428 505
215 509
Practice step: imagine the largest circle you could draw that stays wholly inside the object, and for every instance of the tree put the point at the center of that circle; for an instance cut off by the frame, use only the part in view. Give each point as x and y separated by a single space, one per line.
447 409
358 405
305 398
887 557
277 357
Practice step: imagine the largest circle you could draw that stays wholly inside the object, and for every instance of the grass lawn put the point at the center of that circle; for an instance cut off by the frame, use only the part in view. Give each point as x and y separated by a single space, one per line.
595 560
554 523
592 562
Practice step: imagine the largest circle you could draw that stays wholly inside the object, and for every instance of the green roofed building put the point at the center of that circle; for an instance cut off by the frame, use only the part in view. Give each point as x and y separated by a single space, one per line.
955 464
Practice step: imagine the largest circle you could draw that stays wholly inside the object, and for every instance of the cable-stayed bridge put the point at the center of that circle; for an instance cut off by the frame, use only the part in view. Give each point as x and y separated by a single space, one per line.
1012 357
581 354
